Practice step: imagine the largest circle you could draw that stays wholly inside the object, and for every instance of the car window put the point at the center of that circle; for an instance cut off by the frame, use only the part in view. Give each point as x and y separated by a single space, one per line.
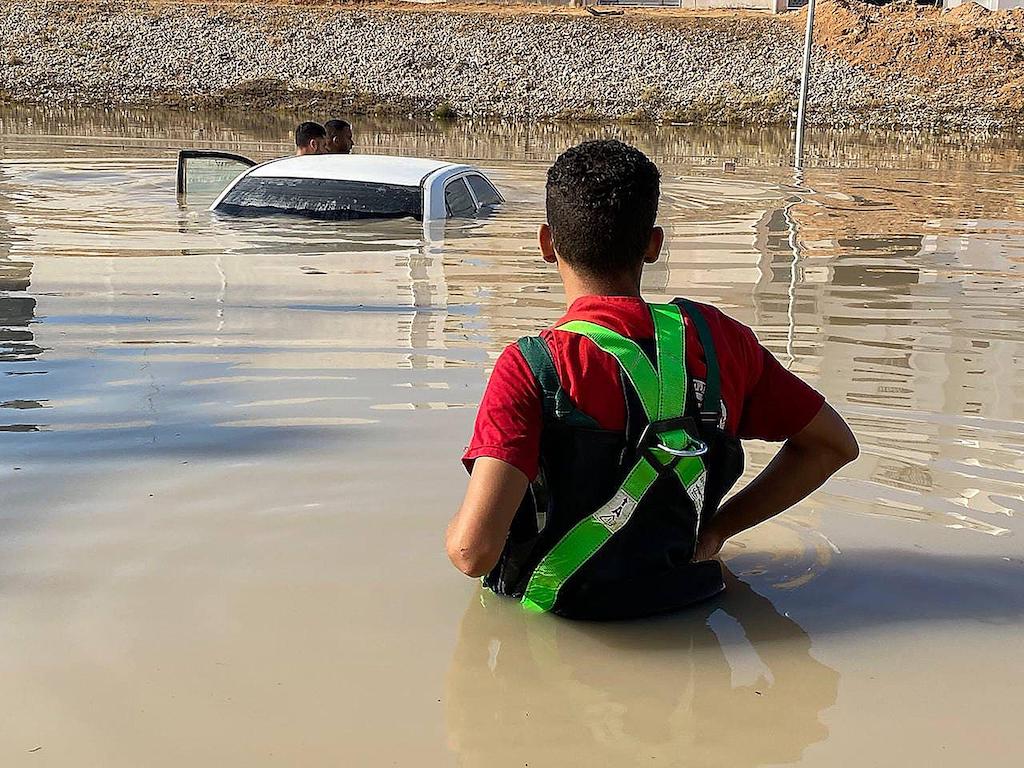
206 173
458 200
485 192
322 198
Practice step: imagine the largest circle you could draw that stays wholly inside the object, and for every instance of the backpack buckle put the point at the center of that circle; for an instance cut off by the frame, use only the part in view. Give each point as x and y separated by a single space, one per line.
650 438
710 418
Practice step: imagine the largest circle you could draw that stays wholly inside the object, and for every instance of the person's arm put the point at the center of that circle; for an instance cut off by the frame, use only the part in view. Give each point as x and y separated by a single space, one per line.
502 457
805 462
477 533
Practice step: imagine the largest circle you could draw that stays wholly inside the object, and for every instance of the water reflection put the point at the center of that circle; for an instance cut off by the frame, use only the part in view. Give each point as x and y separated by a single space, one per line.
906 323
17 342
134 133
17 311
731 683
17 307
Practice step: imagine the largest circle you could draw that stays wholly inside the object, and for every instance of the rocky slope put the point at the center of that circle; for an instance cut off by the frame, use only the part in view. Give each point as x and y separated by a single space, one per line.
519 63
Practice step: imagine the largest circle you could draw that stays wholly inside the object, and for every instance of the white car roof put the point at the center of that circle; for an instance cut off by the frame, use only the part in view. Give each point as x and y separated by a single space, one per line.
382 169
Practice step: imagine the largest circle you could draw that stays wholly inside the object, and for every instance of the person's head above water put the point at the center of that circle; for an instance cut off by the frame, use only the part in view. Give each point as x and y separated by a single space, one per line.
339 137
310 139
602 201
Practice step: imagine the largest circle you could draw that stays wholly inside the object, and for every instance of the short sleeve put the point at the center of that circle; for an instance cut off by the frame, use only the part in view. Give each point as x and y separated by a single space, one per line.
779 404
509 421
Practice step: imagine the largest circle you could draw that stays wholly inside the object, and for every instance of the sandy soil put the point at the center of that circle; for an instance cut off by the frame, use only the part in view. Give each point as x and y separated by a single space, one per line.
967 47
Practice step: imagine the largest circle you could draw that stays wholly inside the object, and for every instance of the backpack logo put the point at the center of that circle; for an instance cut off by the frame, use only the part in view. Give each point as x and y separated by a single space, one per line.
616 512
699 387
696 491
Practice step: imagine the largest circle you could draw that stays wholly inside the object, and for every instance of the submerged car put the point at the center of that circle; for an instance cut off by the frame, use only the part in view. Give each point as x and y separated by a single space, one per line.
338 187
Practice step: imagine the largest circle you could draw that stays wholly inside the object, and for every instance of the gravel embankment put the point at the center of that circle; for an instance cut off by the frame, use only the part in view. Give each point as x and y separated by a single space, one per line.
530 65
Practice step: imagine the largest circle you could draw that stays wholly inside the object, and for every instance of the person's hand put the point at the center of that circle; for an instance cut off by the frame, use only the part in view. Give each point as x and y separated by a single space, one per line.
708 545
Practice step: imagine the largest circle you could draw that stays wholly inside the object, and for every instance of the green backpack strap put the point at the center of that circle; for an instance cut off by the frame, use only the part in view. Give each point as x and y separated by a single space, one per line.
711 408
557 405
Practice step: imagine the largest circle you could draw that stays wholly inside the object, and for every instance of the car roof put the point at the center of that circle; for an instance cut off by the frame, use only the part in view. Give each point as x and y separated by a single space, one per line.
381 169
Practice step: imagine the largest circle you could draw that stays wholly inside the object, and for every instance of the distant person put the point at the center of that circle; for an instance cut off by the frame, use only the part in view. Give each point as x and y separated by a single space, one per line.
339 137
604 447
310 139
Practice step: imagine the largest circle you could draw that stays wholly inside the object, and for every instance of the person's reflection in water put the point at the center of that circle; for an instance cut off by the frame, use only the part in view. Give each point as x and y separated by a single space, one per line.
533 690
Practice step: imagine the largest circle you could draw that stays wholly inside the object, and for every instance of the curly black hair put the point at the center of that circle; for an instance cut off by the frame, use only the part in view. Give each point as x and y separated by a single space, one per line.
602 200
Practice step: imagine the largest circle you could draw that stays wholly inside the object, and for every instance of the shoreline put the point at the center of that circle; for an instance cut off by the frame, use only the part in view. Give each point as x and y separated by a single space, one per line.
535 63
267 134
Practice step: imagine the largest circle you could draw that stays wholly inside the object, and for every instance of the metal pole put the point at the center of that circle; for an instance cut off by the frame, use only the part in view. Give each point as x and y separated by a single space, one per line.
808 40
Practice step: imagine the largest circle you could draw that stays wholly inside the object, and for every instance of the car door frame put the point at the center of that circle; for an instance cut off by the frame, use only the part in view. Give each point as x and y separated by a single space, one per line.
434 186
184 155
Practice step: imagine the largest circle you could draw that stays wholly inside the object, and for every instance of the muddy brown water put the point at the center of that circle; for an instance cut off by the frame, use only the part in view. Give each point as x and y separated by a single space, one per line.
229 450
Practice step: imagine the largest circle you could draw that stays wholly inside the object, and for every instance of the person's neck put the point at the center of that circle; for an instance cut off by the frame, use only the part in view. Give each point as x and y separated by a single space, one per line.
577 286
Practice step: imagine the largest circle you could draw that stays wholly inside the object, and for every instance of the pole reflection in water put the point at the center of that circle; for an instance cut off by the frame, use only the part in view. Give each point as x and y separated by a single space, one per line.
535 690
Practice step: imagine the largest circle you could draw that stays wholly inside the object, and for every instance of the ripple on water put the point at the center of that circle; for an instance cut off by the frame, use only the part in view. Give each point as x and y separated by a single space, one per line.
876 287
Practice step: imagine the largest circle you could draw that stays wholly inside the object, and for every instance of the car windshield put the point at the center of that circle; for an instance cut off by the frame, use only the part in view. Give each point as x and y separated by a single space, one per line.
334 199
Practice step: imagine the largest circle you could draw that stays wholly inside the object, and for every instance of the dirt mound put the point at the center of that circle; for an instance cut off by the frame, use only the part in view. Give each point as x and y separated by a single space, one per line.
968 13
1012 94
974 15
968 47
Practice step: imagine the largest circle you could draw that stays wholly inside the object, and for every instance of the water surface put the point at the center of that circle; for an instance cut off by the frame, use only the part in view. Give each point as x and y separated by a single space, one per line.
229 450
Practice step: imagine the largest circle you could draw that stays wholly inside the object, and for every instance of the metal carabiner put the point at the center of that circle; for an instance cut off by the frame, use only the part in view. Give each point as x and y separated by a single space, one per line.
685 453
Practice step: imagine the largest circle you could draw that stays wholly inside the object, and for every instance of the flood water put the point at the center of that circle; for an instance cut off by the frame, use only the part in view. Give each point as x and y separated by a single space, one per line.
228 451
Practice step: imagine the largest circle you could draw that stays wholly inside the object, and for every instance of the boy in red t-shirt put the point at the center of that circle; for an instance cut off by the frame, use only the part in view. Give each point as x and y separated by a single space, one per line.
624 421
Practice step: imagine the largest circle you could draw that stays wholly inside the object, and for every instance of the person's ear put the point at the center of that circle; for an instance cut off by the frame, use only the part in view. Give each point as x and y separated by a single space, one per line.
654 246
547 245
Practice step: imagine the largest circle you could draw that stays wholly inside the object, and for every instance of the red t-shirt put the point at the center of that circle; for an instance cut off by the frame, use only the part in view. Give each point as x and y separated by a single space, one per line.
761 399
